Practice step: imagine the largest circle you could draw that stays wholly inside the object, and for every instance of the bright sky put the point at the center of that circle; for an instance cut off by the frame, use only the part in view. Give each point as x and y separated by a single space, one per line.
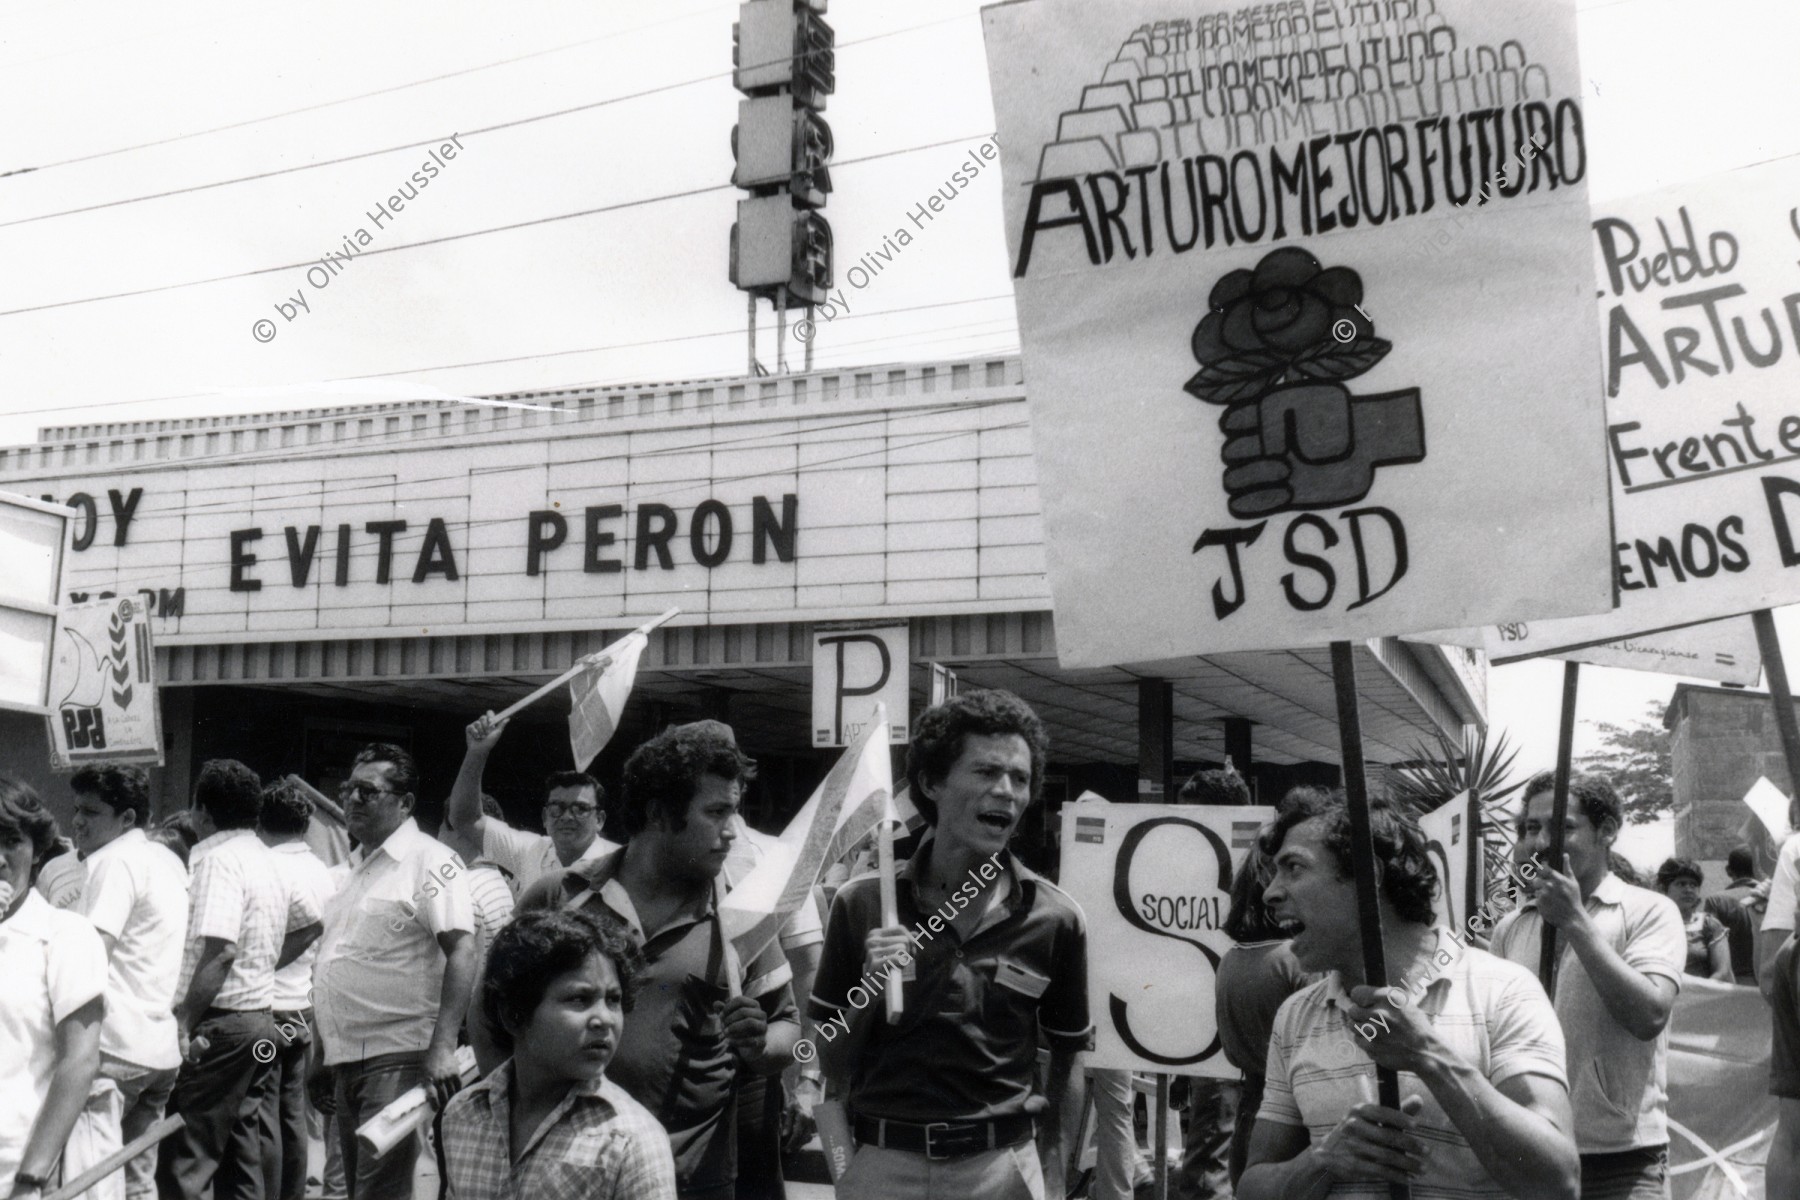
600 134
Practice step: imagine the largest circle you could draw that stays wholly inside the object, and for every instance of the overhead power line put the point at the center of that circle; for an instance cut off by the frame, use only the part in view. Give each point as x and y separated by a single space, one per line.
457 237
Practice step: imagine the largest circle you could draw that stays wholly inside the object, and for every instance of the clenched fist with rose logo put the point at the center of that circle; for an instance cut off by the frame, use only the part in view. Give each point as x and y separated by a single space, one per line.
1275 351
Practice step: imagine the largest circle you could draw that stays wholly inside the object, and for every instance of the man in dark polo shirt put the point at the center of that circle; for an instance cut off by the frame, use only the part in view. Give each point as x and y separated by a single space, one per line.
945 1104
699 1010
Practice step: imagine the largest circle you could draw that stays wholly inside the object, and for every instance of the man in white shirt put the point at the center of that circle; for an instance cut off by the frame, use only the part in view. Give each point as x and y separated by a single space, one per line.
285 815
395 968
243 926
136 897
574 810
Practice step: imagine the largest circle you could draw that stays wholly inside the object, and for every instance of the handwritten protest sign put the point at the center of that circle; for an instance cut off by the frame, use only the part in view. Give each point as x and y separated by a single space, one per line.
1306 307
1722 651
1700 305
1155 883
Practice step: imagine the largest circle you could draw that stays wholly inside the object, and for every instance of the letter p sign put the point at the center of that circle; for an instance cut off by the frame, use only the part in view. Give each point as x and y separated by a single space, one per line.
853 670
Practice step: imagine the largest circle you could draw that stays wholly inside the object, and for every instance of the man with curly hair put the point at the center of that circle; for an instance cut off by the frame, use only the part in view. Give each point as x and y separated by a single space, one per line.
703 1014
1621 953
1484 1108
946 1103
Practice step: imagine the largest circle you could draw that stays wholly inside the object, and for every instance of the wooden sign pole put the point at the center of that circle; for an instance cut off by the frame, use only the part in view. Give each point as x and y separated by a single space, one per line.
1362 856
1161 1140
1559 816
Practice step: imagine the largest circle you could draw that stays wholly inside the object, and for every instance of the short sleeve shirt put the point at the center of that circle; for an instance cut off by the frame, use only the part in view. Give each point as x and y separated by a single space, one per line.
1493 1014
1703 931
302 870
236 894
61 879
975 1003
527 856
380 970
1253 981
597 1144
51 964
673 1057
137 894
1618 1084
1784 888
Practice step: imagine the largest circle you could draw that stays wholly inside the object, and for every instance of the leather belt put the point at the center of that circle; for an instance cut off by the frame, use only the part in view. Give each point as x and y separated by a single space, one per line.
945 1139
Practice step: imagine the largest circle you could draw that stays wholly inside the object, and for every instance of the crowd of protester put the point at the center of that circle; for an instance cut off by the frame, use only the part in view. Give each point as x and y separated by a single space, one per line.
582 1024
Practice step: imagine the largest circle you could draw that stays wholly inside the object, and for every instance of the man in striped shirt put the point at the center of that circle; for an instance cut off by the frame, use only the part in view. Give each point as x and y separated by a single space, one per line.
243 925
1484 1094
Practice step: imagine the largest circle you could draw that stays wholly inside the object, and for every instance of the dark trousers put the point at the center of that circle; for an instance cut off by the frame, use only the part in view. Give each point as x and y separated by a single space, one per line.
220 1094
364 1089
759 1104
1626 1175
282 1123
1212 1114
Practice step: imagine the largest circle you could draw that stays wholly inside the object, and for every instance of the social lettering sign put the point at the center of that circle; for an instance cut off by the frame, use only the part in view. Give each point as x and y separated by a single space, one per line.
1700 321
1155 883
1305 303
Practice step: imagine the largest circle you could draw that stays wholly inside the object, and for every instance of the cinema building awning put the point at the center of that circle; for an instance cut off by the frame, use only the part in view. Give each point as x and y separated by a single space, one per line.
327 577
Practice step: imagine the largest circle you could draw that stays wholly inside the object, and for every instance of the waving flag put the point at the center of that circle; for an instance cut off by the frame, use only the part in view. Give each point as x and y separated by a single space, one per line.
853 799
597 696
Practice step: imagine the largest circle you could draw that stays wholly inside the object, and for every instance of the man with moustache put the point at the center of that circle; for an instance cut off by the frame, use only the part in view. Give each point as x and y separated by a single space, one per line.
1621 952
1484 1099
700 1011
574 810
945 1104
396 966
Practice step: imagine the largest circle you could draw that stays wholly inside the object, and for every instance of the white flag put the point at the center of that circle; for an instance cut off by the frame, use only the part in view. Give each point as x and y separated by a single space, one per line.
853 799
597 697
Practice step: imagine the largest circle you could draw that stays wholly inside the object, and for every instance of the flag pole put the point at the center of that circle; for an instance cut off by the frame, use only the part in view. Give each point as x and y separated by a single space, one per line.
583 664
1362 857
1559 815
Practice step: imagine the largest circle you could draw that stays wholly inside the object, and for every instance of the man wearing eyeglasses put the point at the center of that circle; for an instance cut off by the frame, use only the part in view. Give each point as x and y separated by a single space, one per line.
396 966
573 812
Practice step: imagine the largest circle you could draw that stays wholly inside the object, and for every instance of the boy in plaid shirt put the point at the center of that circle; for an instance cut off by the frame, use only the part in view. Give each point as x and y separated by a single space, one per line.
547 1123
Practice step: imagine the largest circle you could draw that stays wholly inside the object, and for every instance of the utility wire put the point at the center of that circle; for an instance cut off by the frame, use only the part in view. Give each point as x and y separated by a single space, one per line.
427 142
457 237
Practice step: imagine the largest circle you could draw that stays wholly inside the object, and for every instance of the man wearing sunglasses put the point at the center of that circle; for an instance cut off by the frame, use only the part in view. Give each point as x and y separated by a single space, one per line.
573 813
396 966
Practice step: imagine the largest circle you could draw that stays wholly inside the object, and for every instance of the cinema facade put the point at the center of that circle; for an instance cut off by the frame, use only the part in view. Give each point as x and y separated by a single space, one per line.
324 578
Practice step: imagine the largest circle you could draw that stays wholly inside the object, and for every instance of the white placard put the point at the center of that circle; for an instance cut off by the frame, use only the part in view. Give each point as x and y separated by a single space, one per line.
103 687
1154 881
1722 651
1310 337
1452 847
854 670
1700 321
1770 805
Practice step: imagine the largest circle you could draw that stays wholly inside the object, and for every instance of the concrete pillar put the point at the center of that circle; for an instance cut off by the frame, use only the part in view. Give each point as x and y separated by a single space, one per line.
1156 741
1237 744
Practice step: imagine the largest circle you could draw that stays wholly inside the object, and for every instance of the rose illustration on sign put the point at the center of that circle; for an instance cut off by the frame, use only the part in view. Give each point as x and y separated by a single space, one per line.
1275 351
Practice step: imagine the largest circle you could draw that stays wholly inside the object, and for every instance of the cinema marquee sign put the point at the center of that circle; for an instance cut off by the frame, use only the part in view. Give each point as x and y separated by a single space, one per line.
710 539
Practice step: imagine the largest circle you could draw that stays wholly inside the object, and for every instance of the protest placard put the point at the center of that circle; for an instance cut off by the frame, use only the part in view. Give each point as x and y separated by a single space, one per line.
1722 651
1701 330
1305 300
103 705
1146 876
1452 843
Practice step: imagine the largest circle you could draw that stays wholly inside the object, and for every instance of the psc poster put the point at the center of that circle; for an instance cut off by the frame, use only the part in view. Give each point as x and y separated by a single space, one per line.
1307 309
103 687
1154 881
